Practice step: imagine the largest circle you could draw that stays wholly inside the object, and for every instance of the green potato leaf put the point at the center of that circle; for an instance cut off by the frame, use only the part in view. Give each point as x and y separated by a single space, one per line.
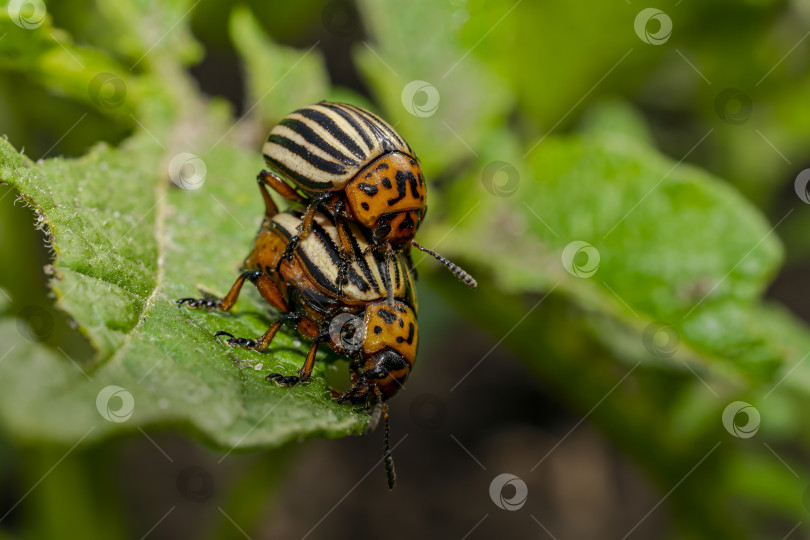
128 243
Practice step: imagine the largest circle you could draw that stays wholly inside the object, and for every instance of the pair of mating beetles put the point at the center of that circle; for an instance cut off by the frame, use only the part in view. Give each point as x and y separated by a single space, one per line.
342 251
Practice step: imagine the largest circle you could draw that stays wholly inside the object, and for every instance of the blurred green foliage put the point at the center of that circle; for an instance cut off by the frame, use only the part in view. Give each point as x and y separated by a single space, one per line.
555 124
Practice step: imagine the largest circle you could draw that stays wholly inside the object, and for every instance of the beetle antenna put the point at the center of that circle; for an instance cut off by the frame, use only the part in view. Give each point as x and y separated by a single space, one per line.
374 415
390 283
387 457
455 269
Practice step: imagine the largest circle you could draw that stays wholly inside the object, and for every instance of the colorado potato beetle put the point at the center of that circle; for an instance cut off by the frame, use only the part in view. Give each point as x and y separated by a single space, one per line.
379 337
346 159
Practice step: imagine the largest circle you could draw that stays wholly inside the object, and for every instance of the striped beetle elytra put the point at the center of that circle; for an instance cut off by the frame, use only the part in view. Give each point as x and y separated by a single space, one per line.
348 160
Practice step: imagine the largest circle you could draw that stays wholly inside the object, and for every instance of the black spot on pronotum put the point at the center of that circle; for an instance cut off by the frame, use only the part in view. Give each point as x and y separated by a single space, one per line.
381 166
364 205
387 316
386 183
411 332
377 329
368 189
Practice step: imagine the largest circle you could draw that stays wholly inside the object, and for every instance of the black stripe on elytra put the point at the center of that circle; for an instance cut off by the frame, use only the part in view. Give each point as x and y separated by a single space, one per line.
278 227
382 268
317 274
352 122
318 162
329 125
314 270
390 129
317 141
326 241
386 141
297 178
358 282
331 249
385 127
315 299
361 261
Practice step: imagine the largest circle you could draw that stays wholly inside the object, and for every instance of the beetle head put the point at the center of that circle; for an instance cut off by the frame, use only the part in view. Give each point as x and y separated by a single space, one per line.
389 197
385 370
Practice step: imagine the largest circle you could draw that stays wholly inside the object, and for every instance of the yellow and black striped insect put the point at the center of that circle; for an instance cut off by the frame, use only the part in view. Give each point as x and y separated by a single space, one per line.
346 159
379 337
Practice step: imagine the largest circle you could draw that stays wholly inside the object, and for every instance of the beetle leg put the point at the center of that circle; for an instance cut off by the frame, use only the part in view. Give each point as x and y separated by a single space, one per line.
265 285
388 459
306 370
264 341
226 303
206 302
343 275
304 228
345 248
266 178
289 250
389 258
309 215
